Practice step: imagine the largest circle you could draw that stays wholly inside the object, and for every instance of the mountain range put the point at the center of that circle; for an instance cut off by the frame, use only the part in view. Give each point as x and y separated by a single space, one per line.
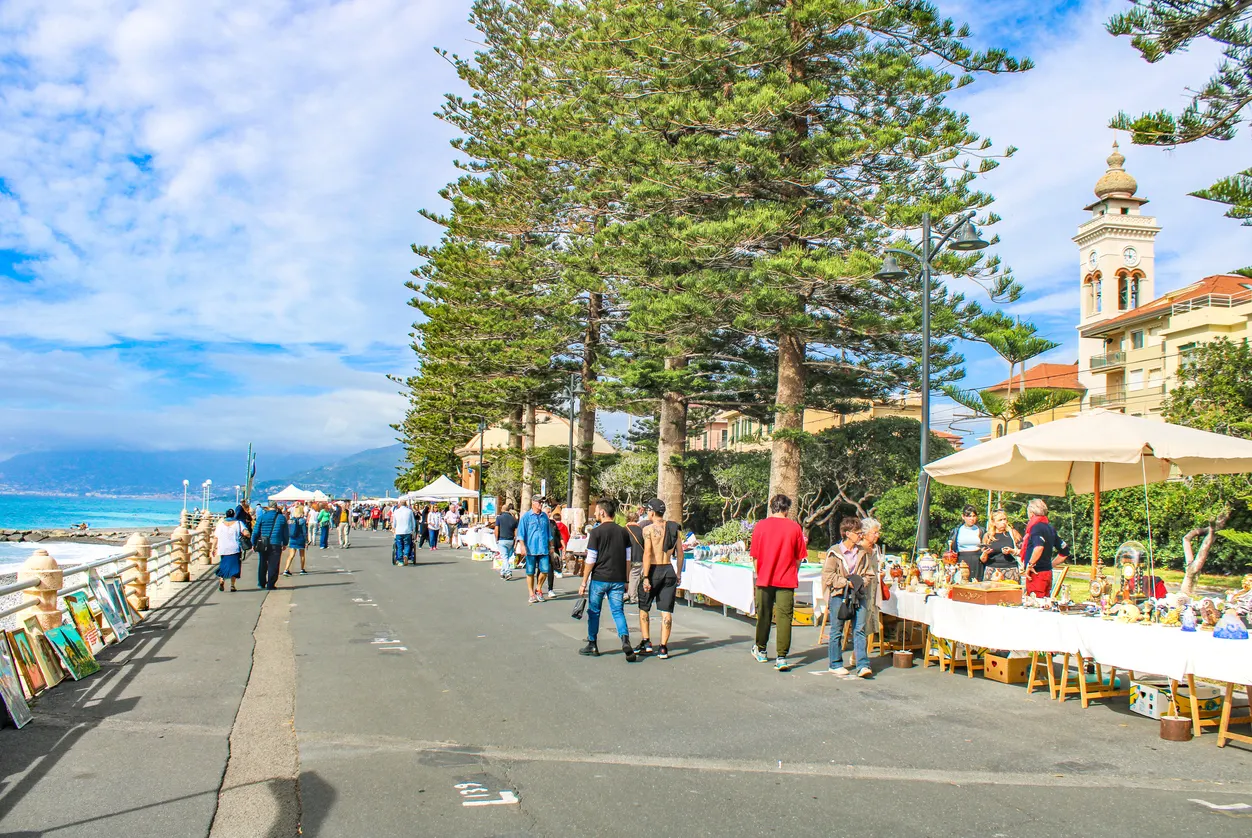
161 473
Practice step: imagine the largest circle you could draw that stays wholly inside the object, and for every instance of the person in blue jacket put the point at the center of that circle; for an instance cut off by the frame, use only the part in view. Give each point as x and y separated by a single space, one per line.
269 538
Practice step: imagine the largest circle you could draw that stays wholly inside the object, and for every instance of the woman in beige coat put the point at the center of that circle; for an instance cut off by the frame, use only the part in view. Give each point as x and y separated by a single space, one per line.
851 572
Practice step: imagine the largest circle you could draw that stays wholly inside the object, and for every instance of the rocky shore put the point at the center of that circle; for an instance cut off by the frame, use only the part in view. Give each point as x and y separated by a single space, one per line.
81 536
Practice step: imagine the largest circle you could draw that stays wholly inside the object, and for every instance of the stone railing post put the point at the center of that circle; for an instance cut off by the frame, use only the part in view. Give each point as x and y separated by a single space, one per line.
184 520
44 568
138 587
180 542
213 539
200 541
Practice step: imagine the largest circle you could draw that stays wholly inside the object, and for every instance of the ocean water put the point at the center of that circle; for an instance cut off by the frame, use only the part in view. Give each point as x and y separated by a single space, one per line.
13 555
36 512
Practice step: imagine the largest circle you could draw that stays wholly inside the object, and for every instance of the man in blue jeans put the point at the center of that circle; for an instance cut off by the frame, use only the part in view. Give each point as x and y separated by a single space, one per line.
607 569
506 533
534 539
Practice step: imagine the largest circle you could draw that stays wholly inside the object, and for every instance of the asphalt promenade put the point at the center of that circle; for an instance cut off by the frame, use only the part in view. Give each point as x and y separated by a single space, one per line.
372 700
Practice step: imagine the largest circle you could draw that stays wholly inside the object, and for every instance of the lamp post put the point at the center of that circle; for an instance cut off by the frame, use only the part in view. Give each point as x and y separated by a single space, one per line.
572 391
186 483
961 236
207 486
482 432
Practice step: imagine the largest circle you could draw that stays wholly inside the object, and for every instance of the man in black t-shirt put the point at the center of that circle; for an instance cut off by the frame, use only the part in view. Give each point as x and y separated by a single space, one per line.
506 533
607 569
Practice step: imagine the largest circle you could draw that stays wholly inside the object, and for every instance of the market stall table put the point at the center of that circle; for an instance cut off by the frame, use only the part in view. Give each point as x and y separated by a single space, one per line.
733 583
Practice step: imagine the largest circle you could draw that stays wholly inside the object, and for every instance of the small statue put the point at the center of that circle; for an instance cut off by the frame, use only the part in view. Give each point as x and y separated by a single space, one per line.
1208 613
1187 618
963 573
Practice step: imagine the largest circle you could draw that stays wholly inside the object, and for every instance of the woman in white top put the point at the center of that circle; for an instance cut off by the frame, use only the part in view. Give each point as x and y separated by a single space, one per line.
434 521
229 534
452 522
967 542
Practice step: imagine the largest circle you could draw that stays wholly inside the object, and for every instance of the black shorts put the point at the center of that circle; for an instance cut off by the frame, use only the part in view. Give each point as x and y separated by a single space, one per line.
664 590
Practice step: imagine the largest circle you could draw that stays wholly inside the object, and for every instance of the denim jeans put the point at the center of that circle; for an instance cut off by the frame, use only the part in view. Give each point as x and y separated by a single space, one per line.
506 550
860 646
404 549
616 592
323 535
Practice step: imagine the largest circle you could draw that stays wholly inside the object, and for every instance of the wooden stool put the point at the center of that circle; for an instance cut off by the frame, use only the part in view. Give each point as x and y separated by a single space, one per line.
935 651
1087 691
1044 659
1223 730
973 659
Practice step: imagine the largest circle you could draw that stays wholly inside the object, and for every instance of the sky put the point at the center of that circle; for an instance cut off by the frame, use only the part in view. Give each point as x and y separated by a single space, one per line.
206 207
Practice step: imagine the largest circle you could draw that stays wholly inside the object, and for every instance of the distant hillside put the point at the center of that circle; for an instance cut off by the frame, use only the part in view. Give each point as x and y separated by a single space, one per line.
366 473
138 472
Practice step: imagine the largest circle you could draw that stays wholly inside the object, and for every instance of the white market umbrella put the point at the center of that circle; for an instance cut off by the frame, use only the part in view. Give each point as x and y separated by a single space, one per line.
292 493
1095 451
443 489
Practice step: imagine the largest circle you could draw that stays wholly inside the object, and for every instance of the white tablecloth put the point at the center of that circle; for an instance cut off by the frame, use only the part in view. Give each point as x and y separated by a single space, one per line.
732 584
1159 650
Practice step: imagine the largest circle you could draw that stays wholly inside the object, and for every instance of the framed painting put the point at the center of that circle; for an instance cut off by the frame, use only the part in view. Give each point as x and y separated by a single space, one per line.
113 615
80 613
73 651
49 662
27 665
11 689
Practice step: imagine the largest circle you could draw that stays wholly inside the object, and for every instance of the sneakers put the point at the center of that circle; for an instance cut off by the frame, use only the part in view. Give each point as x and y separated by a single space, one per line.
781 664
507 576
304 573
286 573
864 672
644 648
626 650
590 650
841 671
551 594
664 655
533 599
760 655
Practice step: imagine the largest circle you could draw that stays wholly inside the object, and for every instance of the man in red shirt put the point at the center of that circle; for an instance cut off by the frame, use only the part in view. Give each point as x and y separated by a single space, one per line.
778 548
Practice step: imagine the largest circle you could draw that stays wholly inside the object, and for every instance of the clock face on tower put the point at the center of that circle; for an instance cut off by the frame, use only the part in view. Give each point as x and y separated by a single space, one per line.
1091 259
1130 256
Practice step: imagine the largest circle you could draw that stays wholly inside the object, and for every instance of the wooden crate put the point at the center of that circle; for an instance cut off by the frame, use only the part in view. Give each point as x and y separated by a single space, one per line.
1006 670
986 593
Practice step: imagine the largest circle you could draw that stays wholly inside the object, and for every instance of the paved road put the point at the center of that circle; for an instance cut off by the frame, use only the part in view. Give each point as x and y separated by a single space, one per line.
411 682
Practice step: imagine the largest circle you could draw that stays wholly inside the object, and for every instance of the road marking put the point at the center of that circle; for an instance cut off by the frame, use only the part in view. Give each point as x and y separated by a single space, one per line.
476 794
1234 810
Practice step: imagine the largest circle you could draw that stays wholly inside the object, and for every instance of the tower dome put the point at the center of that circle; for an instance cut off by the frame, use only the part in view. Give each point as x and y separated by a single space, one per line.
1116 182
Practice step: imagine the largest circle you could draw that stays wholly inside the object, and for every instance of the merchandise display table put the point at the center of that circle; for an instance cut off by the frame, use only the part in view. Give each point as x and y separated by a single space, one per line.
732 583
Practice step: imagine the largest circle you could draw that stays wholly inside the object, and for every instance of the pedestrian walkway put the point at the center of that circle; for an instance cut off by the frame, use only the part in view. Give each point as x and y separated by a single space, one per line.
433 700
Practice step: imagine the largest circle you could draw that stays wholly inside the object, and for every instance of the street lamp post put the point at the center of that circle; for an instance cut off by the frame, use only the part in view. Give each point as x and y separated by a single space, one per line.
186 483
961 236
573 390
482 432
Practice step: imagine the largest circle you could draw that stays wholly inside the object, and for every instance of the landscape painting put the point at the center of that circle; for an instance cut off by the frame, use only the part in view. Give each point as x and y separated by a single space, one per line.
75 655
27 665
113 615
80 612
49 662
119 595
11 689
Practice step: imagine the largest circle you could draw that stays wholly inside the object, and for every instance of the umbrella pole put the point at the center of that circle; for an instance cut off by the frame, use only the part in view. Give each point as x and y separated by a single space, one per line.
1095 529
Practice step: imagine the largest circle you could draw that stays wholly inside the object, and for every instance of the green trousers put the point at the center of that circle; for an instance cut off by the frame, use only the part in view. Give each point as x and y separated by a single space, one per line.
780 603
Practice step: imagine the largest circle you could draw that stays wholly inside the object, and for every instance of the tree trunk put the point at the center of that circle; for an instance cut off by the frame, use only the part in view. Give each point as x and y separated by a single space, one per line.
1195 559
784 467
671 447
515 443
585 435
528 454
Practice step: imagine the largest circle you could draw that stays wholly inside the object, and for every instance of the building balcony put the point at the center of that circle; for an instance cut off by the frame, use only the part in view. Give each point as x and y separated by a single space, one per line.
1108 361
1113 397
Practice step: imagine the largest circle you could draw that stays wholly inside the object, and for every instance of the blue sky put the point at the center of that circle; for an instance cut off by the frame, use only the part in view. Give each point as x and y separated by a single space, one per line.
206 207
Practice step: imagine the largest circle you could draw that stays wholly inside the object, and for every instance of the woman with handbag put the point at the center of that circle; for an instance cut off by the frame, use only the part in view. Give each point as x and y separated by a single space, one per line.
229 535
849 576
1001 543
298 540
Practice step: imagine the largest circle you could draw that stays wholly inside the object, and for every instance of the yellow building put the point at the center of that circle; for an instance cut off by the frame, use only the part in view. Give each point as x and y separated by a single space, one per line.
732 430
1130 349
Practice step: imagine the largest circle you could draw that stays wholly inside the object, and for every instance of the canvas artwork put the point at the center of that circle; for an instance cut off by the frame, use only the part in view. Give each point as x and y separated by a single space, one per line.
27 664
119 595
80 613
113 615
73 651
11 689
44 653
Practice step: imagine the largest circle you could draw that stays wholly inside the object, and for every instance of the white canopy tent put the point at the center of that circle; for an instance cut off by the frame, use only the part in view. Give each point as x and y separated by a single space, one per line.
292 493
321 496
1095 451
441 489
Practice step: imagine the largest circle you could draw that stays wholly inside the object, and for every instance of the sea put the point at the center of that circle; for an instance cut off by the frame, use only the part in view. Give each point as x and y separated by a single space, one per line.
41 512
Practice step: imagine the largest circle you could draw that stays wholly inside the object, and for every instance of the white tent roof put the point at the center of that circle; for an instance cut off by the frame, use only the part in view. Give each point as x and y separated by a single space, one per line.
319 495
442 489
292 493
1129 449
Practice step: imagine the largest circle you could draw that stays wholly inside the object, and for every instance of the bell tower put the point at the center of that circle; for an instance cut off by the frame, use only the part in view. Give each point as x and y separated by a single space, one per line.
1116 257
